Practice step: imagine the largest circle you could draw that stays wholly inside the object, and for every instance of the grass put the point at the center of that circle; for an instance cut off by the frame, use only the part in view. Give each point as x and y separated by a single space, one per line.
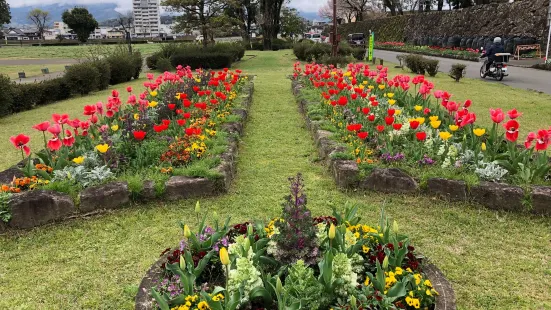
494 260
30 70
79 51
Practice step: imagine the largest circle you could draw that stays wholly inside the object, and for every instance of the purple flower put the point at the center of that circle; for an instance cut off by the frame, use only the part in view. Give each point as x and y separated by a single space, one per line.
389 158
426 161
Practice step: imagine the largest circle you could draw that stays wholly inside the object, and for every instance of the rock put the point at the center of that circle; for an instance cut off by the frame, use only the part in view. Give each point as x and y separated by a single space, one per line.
144 301
181 187
148 191
541 200
345 172
241 113
233 127
226 170
3 227
453 190
38 207
390 180
446 296
7 176
498 196
108 196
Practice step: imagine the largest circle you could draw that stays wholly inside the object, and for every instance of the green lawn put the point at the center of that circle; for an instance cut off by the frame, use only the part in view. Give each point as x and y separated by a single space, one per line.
79 51
494 260
30 70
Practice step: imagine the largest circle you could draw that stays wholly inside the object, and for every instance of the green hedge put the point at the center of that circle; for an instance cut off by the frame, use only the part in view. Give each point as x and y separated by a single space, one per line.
202 60
220 55
309 51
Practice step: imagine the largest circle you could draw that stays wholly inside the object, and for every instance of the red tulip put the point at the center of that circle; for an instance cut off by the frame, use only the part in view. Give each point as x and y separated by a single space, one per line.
380 128
397 126
421 135
181 122
42 126
89 109
139 135
171 106
511 128
213 101
354 127
20 142
166 122
426 111
497 115
365 111
342 101
129 89
542 140
55 129
114 93
354 96
362 135
60 119
371 117
68 140
94 119
413 124
467 103
514 114
160 128
187 115
391 112
389 120
54 143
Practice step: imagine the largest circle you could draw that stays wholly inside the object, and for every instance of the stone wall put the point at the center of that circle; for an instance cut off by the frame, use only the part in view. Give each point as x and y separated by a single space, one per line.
520 22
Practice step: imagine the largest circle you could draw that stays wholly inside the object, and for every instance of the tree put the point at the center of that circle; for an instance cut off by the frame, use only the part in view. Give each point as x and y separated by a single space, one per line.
344 12
200 14
5 15
291 22
245 12
126 21
80 21
270 21
40 19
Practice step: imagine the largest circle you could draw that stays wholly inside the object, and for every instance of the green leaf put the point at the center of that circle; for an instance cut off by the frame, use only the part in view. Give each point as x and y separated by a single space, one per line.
163 304
43 174
397 290
261 292
202 264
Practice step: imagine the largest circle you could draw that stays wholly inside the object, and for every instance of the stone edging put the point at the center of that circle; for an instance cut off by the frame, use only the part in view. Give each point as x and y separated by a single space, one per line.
39 207
495 196
444 301
458 57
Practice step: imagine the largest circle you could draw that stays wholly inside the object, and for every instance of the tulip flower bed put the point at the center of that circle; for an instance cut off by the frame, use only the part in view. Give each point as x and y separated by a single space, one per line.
295 261
374 130
455 53
176 138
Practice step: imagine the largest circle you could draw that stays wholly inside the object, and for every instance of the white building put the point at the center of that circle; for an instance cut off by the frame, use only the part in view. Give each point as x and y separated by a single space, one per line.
147 18
62 28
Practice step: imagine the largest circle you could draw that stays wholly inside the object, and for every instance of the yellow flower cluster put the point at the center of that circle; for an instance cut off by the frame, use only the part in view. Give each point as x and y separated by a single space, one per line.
190 303
362 231
270 228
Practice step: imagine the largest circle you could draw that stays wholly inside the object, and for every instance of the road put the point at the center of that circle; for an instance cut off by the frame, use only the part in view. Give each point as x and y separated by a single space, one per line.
532 79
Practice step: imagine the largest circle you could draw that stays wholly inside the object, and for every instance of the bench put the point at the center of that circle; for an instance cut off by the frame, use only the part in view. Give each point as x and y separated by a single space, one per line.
21 75
45 70
527 48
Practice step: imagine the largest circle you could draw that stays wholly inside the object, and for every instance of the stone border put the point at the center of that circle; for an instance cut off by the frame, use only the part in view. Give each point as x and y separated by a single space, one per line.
495 196
39 207
423 53
444 301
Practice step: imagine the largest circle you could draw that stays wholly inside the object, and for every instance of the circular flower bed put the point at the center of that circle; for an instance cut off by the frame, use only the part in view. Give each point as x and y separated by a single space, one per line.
295 261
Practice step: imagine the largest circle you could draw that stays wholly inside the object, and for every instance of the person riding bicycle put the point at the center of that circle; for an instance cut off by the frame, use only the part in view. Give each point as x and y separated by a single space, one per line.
494 49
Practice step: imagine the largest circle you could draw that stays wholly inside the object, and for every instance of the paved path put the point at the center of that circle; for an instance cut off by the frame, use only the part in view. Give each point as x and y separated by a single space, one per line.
526 78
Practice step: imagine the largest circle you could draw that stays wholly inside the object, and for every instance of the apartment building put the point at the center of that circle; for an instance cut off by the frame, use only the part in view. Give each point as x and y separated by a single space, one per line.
147 18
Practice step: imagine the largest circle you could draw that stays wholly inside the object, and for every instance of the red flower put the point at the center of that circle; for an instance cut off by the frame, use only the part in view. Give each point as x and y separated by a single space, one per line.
391 112
342 100
380 128
55 129
89 109
129 89
139 135
497 115
20 142
68 140
60 119
54 143
166 122
213 101
421 135
514 114
187 115
354 127
531 137
365 111
426 111
158 128
42 126
371 117
94 119
362 135
413 124
354 96
542 140
397 126
171 106
201 105
467 103
511 128
186 103
74 123
181 122
389 120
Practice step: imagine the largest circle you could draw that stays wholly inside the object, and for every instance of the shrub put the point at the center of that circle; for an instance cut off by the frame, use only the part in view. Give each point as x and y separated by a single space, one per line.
123 68
163 64
336 61
105 73
202 60
358 53
431 65
151 61
300 49
317 50
457 71
58 89
137 60
344 49
83 78
235 49
6 95
544 66
415 63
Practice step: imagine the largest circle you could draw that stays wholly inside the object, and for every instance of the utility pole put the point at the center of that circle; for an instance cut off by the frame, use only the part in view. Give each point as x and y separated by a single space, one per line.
335 43
549 34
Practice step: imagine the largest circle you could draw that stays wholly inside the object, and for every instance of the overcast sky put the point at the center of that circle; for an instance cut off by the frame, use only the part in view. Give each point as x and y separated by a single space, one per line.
302 5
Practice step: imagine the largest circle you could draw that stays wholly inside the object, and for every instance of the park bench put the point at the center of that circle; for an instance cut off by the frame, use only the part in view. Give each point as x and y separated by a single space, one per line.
527 48
45 70
21 75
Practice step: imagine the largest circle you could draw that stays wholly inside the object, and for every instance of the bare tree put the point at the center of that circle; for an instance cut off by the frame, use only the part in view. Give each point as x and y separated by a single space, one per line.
344 12
126 21
41 19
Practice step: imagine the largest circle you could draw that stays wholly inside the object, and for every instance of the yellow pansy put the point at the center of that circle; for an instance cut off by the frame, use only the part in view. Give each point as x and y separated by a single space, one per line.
136 116
177 96
78 160
435 124
102 148
366 282
152 104
453 127
198 80
418 108
365 249
115 127
399 271
479 132
391 101
153 93
444 135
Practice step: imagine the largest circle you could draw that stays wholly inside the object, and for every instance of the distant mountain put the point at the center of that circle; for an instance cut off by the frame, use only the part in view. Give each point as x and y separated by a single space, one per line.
310 15
101 12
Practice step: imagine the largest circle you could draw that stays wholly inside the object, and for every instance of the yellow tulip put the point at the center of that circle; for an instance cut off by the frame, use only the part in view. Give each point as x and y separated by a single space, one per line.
433 118
177 96
395 227
370 86
364 82
78 160
331 234
361 87
479 132
418 108
187 232
115 127
152 104
197 207
153 93
444 135
435 124
102 148
182 262
382 86
391 101
397 112
421 120
224 257
483 146
453 127
390 95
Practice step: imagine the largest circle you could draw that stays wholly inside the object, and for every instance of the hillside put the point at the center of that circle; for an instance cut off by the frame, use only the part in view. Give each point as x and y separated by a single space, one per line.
101 12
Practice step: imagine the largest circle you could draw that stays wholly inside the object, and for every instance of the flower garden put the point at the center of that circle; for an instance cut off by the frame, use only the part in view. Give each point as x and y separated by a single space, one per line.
181 125
295 261
456 52
365 121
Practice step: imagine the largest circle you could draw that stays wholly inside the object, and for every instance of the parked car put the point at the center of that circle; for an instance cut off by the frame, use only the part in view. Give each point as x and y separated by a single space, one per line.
356 39
314 37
